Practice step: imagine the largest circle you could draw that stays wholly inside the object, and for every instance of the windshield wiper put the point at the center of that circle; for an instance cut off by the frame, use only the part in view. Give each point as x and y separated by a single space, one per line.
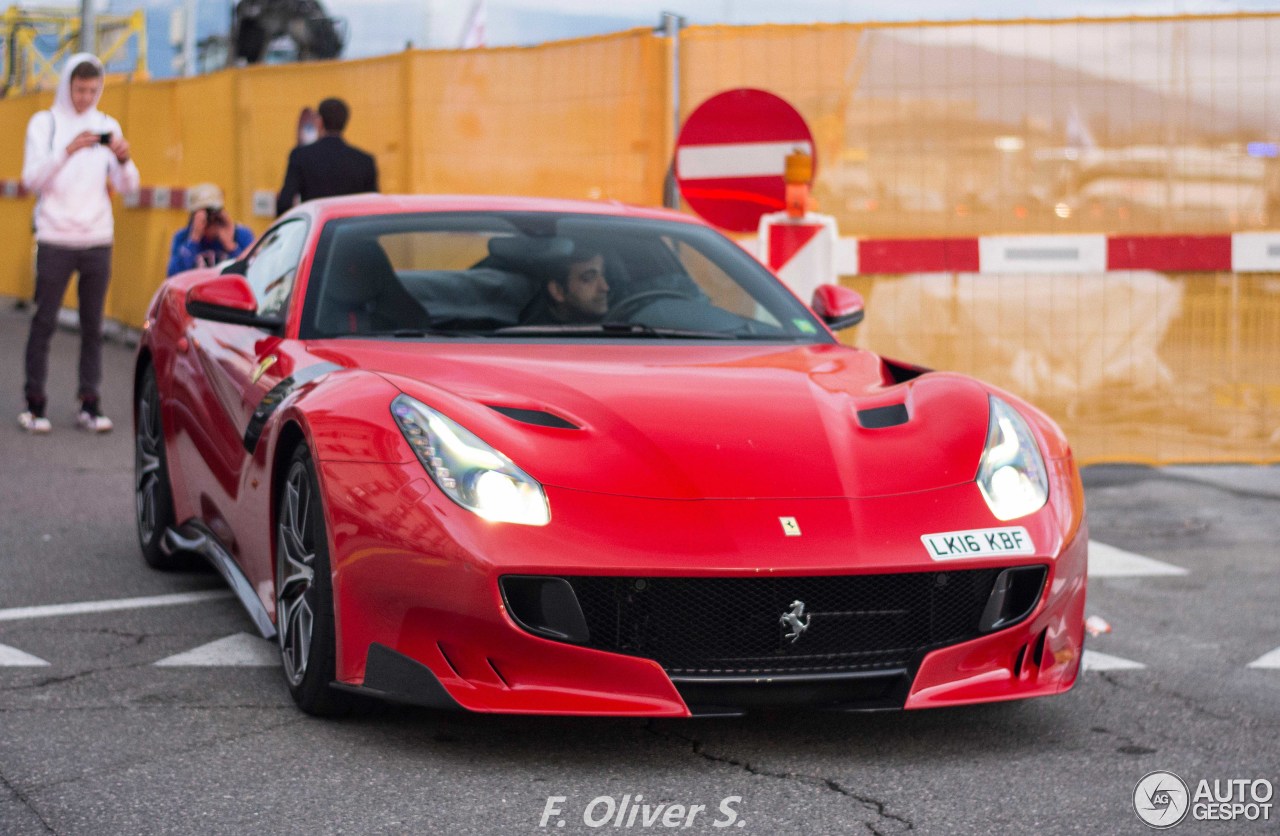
610 329
417 333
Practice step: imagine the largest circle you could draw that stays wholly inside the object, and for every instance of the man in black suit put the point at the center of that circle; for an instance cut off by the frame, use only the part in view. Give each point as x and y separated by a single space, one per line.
328 166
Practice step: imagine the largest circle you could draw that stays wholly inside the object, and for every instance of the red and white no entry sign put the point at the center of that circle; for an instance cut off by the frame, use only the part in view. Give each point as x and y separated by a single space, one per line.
731 153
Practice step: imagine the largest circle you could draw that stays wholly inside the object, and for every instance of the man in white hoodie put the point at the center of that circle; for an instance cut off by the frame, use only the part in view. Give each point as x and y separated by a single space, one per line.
73 151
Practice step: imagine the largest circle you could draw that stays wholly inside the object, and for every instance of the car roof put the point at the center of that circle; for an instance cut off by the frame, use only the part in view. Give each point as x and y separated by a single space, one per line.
324 209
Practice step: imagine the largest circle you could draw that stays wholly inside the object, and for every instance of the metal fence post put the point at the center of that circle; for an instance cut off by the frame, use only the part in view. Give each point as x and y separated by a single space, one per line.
670 26
88 27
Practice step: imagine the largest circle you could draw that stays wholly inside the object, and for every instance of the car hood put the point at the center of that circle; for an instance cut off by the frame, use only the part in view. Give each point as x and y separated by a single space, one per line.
675 422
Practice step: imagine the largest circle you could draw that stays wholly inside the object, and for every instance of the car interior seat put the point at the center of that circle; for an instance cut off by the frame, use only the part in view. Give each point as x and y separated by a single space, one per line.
363 294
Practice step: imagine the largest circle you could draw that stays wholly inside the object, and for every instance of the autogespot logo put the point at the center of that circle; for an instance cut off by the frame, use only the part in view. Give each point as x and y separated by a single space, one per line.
1161 799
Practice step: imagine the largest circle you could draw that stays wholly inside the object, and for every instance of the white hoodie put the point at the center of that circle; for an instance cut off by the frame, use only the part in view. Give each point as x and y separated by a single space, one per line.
73 208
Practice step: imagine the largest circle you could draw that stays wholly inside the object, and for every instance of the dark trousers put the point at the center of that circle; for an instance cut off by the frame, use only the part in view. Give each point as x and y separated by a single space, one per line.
54 266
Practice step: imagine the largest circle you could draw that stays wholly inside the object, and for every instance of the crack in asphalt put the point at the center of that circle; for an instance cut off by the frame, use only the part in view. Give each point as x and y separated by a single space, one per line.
168 753
42 682
1130 745
1191 703
872 804
1188 702
58 680
109 631
26 802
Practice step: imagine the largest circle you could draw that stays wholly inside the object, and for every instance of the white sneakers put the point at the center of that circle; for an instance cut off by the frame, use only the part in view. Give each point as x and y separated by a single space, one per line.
89 420
34 424
94 423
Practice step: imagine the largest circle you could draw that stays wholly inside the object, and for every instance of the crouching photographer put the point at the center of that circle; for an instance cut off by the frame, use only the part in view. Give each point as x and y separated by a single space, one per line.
210 235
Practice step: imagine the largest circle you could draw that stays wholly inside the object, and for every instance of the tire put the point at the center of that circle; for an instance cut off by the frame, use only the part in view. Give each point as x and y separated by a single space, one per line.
152 492
304 592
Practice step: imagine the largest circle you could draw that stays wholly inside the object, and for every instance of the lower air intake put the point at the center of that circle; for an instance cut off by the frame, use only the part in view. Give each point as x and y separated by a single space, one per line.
783 625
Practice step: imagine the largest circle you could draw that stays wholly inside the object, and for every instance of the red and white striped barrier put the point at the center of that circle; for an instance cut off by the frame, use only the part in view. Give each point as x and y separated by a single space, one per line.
148 197
12 188
1240 252
158 197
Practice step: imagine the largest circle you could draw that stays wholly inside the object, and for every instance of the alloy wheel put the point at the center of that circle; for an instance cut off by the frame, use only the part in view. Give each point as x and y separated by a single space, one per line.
295 573
146 469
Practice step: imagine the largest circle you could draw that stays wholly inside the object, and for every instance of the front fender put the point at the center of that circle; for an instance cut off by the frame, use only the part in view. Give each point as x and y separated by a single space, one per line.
344 416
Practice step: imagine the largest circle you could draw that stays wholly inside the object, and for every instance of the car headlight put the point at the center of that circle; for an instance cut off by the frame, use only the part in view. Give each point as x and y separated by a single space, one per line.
1012 475
469 471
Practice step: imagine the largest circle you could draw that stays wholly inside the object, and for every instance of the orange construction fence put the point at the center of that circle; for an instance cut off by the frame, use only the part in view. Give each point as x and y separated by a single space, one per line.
922 130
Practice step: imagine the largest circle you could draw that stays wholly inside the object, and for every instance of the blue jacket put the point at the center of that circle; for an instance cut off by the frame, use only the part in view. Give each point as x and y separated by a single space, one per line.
185 254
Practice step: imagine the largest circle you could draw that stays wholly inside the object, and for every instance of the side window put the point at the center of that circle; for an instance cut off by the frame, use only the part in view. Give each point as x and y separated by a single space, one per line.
273 266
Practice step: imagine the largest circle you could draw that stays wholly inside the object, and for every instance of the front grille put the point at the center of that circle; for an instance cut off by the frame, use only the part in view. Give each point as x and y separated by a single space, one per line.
733 626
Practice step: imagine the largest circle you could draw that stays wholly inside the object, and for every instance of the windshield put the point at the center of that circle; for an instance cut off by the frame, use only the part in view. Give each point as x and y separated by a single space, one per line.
542 276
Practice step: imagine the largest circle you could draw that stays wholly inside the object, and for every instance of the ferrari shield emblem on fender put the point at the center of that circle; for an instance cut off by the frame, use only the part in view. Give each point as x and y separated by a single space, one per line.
261 369
795 620
790 527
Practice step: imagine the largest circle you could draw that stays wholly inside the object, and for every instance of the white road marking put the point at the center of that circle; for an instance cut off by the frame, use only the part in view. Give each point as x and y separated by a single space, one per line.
239 650
52 610
1109 562
12 657
1095 661
1267 660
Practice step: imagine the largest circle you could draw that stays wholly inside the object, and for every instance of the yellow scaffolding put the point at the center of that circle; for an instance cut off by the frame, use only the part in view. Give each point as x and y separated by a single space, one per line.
30 64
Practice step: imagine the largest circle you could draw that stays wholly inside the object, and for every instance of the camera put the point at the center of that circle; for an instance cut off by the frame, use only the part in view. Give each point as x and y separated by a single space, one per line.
104 139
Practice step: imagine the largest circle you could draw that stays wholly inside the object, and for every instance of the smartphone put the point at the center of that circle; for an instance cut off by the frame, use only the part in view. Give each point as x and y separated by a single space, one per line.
104 139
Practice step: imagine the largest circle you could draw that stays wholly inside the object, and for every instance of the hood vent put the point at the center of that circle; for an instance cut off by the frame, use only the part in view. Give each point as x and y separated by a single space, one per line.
536 417
883 416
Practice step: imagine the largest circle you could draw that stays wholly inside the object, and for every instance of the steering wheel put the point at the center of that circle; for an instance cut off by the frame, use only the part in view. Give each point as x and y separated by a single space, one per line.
636 301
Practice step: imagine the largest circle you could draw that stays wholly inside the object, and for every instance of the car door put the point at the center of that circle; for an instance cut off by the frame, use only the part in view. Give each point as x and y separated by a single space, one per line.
238 365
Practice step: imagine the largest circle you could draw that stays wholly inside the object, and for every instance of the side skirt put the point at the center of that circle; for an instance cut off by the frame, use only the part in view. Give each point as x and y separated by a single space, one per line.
194 536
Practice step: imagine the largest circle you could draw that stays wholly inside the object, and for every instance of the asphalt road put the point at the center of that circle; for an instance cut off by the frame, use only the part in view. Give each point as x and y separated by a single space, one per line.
96 738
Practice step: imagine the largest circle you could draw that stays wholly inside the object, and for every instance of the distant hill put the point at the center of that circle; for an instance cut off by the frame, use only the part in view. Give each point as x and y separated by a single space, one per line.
1008 88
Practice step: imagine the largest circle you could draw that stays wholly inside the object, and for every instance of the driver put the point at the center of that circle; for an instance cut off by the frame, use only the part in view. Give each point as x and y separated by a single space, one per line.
577 291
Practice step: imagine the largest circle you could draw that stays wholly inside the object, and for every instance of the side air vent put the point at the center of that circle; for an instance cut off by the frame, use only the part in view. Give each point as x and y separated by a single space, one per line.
546 606
1013 596
883 416
536 417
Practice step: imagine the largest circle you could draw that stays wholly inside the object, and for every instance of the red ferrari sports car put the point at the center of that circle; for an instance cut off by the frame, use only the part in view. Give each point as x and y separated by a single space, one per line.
520 455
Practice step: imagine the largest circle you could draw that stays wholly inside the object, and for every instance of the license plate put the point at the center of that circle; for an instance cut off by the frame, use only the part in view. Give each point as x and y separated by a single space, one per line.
979 542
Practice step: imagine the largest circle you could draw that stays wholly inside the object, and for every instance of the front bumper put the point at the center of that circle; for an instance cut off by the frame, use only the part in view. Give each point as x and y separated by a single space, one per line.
418 578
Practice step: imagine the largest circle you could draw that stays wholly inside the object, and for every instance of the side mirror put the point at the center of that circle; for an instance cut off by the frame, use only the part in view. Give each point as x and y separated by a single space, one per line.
228 298
839 307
